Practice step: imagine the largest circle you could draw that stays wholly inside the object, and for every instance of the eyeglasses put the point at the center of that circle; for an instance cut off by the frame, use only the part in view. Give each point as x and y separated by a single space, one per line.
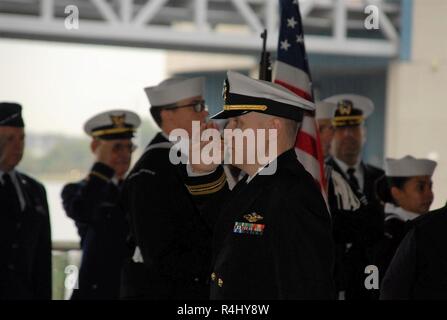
198 106
119 147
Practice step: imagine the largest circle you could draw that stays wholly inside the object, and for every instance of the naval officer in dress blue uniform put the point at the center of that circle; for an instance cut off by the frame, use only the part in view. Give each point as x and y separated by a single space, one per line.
273 237
93 204
357 232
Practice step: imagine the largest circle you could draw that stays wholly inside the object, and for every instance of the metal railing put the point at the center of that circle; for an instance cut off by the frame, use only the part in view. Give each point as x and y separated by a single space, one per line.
332 26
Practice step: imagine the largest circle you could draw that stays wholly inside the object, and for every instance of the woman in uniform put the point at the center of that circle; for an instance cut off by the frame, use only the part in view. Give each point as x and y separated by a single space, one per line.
406 192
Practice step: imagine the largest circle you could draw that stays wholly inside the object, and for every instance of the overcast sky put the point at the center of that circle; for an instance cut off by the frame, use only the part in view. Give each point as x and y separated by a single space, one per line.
61 85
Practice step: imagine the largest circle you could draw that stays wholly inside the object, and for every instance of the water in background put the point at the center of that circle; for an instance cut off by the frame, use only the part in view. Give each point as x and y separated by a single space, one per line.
62 227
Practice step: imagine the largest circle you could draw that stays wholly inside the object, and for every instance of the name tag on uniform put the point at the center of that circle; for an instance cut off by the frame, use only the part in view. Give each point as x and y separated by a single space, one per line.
249 228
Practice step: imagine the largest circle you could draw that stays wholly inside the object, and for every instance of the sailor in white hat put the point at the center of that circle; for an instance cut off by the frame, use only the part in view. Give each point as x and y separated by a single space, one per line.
341 196
409 166
273 222
349 138
409 187
112 132
93 204
350 115
248 101
177 102
172 254
243 95
407 194
112 125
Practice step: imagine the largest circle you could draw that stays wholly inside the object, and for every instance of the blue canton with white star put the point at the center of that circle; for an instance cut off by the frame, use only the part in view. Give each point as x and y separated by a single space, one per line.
291 40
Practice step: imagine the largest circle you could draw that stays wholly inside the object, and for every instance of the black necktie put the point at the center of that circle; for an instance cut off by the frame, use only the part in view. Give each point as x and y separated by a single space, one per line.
12 200
352 179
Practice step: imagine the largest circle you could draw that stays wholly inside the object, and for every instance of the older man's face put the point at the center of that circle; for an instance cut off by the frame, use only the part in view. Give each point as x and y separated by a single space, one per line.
348 142
12 143
247 142
116 153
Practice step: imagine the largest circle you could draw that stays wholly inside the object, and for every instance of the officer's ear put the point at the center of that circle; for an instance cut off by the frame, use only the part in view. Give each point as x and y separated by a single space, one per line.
94 144
285 127
166 115
275 123
397 194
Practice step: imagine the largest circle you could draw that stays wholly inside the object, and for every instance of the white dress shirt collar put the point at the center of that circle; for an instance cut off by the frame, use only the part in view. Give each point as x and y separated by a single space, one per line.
343 166
399 212
359 174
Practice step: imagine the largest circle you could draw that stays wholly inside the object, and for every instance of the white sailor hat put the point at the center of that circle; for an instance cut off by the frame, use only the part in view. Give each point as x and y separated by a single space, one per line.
172 90
113 124
409 167
324 110
351 109
243 94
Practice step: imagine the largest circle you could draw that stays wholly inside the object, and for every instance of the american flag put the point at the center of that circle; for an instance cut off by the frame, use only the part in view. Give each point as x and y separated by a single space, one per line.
292 71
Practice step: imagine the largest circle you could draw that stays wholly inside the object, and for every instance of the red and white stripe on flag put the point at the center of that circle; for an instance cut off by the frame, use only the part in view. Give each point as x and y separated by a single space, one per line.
307 146
294 79
292 71
308 150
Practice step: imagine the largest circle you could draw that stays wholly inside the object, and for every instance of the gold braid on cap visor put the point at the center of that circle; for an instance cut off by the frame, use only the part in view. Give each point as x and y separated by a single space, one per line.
347 120
111 131
250 107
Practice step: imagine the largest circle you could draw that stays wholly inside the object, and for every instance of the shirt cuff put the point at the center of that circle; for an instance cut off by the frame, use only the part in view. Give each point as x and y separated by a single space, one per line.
196 174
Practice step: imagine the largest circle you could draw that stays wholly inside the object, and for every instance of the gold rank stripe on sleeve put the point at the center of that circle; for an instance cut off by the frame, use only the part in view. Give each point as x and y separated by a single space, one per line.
247 107
99 175
208 188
